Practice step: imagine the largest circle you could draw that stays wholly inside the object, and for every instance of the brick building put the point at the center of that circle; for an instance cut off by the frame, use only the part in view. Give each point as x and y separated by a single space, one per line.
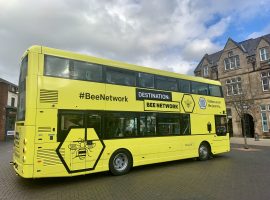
243 67
8 104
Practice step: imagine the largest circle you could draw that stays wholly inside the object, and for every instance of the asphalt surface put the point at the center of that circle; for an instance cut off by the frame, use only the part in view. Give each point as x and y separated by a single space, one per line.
240 174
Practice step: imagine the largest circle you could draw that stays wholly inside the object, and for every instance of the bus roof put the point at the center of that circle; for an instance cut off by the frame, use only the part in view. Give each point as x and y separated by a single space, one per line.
113 63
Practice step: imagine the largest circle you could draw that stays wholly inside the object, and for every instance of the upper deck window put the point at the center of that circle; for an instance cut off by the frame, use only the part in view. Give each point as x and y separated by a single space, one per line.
166 83
85 71
121 77
184 86
146 80
199 88
55 66
66 68
215 90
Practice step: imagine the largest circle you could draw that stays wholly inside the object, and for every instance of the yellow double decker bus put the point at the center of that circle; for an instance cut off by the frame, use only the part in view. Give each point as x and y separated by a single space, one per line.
79 114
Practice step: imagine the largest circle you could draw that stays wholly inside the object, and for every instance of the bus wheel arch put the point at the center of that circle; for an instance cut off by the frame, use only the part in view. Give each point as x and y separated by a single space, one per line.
121 161
205 151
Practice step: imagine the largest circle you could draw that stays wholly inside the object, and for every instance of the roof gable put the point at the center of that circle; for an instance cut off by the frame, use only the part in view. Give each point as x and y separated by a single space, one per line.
211 59
230 42
249 47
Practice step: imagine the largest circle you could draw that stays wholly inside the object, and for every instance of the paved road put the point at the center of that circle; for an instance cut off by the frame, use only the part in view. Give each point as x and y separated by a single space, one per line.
240 175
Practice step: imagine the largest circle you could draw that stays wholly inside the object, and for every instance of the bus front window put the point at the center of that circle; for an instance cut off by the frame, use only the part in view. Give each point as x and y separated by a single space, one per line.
22 87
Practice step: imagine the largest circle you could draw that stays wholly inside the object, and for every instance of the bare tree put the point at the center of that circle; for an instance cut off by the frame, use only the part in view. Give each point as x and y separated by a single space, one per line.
243 105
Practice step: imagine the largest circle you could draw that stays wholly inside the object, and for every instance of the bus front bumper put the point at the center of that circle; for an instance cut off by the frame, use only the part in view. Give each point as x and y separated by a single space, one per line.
24 171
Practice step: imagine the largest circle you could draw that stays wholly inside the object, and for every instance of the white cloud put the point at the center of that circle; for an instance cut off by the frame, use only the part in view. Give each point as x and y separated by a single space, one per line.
170 35
265 31
198 47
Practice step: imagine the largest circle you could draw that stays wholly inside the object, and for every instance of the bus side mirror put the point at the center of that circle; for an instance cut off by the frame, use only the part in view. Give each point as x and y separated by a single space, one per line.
209 127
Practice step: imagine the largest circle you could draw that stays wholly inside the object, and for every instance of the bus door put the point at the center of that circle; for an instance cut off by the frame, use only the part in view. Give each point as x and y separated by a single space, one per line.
94 144
221 126
82 146
221 136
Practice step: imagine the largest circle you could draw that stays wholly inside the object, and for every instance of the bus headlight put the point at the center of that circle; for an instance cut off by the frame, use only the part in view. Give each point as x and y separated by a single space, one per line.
24 158
24 141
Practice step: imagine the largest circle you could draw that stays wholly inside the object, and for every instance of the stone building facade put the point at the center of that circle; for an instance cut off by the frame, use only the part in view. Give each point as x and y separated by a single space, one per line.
8 105
243 68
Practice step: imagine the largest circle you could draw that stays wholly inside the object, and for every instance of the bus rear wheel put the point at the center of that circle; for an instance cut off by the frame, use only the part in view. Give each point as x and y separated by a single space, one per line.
204 151
120 162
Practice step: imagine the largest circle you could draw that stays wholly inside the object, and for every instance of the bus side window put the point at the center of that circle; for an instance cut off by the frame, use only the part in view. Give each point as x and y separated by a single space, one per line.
185 124
168 124
119 125
94 121
130 126
67 122
148 125
72 121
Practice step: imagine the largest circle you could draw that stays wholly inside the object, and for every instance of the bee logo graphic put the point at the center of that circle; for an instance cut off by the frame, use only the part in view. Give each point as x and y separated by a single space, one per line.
81 148
188 103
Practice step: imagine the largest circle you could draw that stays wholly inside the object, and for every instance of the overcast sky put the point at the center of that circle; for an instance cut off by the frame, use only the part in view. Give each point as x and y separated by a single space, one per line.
165 34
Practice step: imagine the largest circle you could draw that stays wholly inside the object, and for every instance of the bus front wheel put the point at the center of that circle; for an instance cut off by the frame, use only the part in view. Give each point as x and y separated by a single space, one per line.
204 151
120 162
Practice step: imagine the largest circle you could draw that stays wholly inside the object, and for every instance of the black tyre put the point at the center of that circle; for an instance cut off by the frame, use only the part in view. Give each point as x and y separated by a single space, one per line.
204 151
120 162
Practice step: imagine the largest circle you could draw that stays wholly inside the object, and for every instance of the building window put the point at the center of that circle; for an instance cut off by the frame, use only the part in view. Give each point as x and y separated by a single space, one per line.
12 102
205 71
234 86
232 62
264 54
265 77
263 107
264 122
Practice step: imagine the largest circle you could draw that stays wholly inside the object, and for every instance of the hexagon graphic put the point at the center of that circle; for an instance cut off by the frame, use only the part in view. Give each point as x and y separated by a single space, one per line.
81 150
188 103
